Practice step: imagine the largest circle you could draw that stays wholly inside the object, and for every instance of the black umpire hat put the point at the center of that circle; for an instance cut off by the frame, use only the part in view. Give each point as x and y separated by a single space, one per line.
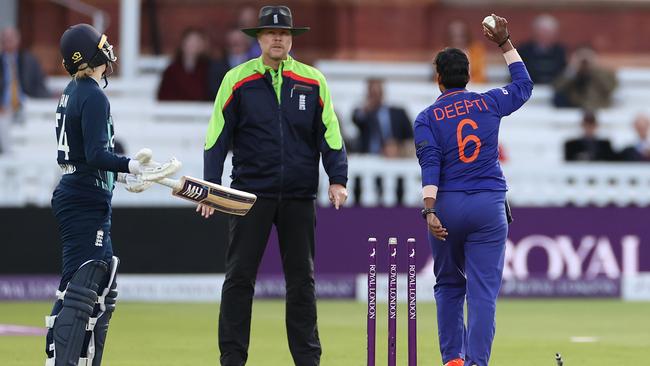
275 17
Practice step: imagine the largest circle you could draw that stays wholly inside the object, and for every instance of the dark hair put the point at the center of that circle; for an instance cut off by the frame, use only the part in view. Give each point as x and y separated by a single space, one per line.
589 117
186 33
453 67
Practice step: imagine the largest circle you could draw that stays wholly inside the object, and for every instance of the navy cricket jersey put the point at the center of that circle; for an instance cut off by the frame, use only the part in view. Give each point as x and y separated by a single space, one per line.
85 141
457 137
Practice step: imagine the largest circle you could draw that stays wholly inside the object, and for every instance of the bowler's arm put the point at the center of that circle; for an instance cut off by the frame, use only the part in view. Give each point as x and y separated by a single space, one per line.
512 96
429 157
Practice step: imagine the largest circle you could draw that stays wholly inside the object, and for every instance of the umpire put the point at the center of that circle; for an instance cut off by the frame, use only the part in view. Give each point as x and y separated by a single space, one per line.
278 115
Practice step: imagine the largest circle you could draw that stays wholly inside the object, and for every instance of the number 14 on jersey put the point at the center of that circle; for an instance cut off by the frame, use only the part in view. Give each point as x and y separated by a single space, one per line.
62 136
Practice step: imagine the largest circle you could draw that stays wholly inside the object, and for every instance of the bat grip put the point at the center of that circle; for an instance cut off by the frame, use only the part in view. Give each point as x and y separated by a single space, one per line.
171 183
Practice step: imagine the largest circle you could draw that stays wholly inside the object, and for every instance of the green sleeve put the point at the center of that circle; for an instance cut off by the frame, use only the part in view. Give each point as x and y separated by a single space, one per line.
218 119
220 130
332 130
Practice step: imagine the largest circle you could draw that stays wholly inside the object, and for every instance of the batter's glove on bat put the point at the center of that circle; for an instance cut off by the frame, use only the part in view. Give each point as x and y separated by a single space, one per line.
150 170
133 183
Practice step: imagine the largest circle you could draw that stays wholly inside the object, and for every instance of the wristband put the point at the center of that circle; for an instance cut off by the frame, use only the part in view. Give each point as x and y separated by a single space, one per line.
426 211
512 56
505 40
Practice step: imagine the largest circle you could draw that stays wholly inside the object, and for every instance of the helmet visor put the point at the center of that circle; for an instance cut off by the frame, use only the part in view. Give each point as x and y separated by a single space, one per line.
107 49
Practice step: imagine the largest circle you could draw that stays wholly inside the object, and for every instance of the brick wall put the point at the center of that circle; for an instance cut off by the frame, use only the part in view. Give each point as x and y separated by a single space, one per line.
400 30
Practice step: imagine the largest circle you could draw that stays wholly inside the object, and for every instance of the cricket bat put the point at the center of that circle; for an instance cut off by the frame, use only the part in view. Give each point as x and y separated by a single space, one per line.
224 199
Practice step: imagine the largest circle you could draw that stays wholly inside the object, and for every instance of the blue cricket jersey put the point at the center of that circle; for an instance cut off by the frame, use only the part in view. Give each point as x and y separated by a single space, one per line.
85 141
457 137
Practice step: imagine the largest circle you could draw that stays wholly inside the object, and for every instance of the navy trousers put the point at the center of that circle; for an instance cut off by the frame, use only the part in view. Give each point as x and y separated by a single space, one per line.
84 222
468 267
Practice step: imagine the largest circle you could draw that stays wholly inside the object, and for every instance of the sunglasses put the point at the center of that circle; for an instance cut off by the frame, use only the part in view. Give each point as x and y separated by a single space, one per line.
271 10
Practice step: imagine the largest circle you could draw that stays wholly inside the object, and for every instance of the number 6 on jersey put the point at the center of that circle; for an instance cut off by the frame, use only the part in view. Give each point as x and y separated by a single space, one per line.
462 142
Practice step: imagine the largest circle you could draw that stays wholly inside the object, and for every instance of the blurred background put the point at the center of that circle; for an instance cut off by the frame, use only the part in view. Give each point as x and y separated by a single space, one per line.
576 156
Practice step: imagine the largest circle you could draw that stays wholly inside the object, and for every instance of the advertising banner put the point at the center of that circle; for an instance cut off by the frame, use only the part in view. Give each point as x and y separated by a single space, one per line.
550 252
567 252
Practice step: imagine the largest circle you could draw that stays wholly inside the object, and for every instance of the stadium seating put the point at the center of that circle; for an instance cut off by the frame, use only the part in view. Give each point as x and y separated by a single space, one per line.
532 138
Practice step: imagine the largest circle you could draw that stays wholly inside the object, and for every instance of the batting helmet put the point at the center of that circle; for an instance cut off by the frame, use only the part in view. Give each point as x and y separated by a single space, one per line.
83 44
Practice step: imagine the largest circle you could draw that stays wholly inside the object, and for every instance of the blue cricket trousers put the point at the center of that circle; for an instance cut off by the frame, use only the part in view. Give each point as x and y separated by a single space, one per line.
84 221
468 266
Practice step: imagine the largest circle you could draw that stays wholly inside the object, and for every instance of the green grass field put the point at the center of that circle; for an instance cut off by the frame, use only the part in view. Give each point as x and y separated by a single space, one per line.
528 333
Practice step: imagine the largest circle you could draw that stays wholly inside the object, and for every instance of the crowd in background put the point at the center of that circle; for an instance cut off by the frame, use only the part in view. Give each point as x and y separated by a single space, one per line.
21 76
195 73
591 147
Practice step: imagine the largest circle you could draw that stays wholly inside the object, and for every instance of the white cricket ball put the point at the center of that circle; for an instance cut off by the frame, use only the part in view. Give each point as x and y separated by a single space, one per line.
489 22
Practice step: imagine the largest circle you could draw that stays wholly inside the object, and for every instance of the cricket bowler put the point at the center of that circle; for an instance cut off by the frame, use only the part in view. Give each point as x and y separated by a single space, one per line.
464 194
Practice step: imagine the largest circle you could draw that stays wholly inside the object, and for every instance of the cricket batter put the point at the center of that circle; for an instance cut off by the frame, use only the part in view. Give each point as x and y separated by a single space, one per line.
81 202
465 196
279 116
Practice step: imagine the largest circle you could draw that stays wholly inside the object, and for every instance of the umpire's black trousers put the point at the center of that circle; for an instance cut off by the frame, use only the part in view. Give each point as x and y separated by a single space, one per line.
295 221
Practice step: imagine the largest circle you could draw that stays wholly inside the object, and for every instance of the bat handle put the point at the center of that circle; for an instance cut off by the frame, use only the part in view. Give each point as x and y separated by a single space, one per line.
171 183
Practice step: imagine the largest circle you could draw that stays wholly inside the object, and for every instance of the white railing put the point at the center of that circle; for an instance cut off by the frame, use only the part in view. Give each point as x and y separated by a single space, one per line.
534 133
30 181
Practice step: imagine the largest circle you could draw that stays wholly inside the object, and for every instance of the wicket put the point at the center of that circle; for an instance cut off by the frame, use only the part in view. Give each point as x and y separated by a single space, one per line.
412 305
392 302
372 299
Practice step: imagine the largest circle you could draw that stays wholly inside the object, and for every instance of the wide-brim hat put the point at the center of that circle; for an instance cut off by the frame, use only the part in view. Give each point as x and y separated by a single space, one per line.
275 17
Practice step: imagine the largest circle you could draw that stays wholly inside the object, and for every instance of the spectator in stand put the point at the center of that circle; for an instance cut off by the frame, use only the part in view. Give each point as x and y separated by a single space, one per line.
21 76
383 129
187 77
585 84
544 56
459 36
589 147
235 53
248 19
640 151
